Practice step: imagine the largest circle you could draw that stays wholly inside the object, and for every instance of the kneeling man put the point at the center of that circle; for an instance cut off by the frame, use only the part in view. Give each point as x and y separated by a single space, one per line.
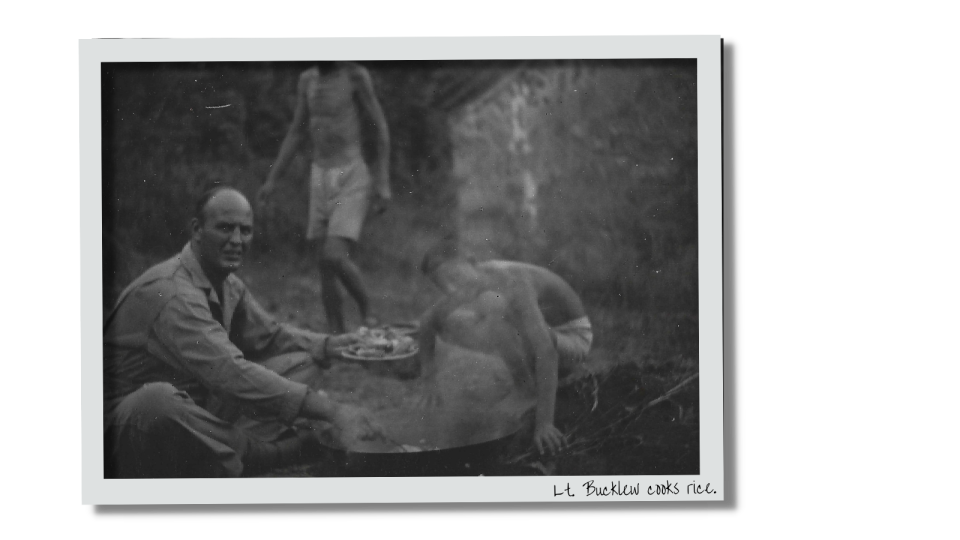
199 381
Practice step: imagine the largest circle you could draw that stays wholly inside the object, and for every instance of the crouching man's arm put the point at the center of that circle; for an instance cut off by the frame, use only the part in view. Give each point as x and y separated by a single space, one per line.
429 329
536 332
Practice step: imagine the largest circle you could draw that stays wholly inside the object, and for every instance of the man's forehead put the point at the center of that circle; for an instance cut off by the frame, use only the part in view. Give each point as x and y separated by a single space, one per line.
229 205
228 219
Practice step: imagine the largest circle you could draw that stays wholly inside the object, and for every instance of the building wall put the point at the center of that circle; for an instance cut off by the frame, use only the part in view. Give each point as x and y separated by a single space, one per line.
500 146
589 168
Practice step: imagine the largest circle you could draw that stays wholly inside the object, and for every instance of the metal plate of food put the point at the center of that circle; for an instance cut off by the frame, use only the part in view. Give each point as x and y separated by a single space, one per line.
383 349
383 343
404 328
374 355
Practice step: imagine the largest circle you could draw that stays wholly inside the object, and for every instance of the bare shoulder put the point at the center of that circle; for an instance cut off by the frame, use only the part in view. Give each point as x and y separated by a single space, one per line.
515 272
358 73
554 295
513 280
309 74
307 77
355 67
501 272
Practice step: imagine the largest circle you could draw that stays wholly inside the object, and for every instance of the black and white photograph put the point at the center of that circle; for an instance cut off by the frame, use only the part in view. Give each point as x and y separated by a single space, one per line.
344 268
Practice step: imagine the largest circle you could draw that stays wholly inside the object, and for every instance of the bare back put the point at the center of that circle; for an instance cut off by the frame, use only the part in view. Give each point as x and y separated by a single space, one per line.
558 302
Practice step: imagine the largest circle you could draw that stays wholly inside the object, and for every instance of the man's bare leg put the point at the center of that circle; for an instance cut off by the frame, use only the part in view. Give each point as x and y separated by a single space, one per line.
332 303
336 265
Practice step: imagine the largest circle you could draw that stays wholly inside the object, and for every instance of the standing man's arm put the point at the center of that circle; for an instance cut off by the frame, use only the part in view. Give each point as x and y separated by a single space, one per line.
290 143
367 99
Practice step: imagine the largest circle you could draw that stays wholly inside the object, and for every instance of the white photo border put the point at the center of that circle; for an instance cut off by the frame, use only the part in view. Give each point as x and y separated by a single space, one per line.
707 50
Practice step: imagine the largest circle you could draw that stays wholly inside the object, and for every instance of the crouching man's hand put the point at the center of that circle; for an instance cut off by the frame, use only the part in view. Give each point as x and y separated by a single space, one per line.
431 396
547 438
353 425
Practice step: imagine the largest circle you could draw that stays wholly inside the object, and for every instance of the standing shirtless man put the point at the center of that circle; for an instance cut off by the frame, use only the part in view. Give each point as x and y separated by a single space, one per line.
334 100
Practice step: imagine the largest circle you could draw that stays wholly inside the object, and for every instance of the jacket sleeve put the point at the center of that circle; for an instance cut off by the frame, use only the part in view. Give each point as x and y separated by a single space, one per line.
259 335
186 335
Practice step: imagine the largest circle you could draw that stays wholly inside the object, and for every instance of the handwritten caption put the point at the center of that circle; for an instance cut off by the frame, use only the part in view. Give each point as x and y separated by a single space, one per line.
619 489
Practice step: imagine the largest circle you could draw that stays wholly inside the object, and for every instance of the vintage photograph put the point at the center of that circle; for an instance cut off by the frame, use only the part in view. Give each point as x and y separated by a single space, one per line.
400 268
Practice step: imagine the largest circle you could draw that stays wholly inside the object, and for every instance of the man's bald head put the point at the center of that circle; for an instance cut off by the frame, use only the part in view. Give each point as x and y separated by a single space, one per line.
222 229
220 196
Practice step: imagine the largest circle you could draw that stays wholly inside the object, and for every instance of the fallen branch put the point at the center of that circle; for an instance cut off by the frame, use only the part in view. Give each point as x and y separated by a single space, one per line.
595 391
579 443
667 397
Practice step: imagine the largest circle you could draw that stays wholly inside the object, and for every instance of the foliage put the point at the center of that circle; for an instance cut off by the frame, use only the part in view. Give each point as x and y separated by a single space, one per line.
634 178
171 131
612 147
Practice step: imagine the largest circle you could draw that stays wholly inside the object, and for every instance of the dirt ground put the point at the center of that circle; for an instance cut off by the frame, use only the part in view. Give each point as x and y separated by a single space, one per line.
632 410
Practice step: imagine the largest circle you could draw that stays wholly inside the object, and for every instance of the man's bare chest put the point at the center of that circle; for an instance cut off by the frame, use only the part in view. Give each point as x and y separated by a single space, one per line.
329 97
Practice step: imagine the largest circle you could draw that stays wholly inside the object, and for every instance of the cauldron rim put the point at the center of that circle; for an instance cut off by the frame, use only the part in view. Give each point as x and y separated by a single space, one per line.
466 460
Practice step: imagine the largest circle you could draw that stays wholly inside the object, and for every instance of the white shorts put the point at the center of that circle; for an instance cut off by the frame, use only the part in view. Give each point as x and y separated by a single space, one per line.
573 341
339 198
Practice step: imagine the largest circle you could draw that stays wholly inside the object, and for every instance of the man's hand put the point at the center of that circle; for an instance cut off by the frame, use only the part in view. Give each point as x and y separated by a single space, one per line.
378 203
547 438
354 425
431 397
312 439
265 192
331 348
340 341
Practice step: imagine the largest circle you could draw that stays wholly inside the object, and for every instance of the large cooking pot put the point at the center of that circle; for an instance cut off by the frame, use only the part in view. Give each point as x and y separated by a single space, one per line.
445 442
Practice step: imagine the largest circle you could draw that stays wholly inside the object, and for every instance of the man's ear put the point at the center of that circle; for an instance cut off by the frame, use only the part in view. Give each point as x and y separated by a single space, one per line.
194 227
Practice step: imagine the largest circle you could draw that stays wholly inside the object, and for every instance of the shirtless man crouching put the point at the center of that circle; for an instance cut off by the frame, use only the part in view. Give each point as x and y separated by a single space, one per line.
524 313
